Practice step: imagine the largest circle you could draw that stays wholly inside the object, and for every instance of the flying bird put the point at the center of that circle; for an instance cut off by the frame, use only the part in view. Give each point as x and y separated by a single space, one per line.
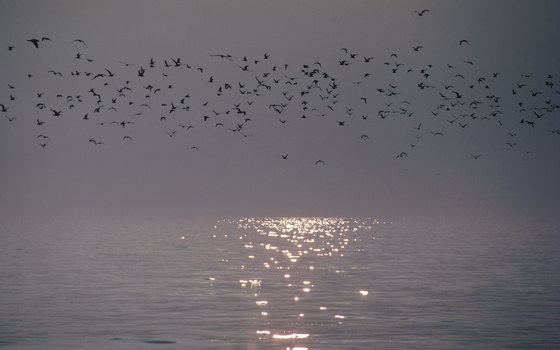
476 156
79 41
35 42
401 155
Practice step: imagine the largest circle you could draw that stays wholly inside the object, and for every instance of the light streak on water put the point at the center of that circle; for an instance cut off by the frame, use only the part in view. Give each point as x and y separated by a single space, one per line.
297 301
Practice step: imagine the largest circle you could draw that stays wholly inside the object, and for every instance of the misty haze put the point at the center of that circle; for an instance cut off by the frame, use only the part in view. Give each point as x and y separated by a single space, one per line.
279 175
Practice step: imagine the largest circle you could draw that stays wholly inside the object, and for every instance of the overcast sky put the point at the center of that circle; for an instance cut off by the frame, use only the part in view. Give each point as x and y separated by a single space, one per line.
428 127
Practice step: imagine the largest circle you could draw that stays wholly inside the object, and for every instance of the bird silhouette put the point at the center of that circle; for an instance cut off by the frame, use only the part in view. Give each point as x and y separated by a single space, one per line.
421 12
35 42
401 155
79 41
476 156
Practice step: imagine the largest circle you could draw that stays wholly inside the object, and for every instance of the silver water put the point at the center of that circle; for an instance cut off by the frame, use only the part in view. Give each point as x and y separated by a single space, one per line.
279 283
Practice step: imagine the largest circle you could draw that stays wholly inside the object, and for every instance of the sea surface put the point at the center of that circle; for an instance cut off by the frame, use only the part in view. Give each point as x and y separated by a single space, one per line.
279 283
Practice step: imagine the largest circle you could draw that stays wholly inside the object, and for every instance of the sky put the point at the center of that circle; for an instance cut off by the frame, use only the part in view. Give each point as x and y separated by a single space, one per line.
354 108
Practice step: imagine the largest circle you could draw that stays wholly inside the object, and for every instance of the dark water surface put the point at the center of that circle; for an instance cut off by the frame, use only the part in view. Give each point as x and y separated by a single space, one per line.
279 283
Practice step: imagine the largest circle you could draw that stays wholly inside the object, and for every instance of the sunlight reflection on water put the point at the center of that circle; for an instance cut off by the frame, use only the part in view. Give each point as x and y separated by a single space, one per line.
283 278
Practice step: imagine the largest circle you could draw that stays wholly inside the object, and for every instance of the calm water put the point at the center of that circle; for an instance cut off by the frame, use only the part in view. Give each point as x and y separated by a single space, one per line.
314 283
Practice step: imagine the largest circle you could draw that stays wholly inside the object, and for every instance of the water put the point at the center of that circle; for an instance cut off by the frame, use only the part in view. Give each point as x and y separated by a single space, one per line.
314 283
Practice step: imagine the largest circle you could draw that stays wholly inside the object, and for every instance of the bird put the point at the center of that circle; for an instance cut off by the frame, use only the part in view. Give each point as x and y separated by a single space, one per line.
55 72
319 162
421 12
476 156
401 155
463 41
35 42
79 41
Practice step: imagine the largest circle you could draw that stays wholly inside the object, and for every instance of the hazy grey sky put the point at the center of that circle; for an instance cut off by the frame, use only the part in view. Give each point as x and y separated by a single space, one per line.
156 175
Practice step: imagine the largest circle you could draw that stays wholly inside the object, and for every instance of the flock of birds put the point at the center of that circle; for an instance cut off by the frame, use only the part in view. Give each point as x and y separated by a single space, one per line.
262 90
